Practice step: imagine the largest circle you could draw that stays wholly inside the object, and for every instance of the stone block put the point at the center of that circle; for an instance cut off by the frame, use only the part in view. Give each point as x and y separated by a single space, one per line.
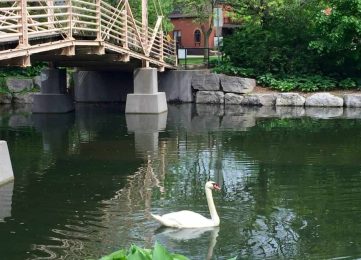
323 100
18 85
290 99
210 97
37 82
267 100
251 100
24 98
5 98
237 84
233 99
205 81
352 100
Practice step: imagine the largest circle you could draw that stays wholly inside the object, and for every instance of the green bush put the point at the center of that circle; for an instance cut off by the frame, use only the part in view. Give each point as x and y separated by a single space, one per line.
285 83
28 72
347 83
301 45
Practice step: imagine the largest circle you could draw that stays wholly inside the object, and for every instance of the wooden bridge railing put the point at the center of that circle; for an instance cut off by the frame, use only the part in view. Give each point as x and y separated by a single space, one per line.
70 23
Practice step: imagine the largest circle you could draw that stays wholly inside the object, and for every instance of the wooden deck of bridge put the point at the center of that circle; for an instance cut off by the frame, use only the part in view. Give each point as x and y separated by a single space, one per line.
81 33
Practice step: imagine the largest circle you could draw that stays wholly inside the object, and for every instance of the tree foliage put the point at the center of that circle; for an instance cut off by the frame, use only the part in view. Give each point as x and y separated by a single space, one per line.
297 37
338 36
273 38
155 8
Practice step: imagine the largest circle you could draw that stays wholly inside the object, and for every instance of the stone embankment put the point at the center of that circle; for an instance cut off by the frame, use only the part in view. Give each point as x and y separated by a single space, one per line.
19 90
221 89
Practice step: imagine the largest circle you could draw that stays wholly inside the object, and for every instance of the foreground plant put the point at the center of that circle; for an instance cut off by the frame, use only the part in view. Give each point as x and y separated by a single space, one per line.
136 253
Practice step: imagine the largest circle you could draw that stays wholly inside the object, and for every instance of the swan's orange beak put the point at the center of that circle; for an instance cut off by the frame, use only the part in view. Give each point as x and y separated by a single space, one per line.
216 186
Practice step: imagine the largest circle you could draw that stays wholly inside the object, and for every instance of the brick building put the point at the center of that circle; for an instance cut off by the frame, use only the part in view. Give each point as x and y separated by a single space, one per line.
188 33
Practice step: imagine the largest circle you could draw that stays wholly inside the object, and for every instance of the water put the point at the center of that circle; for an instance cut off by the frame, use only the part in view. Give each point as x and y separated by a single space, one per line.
85 182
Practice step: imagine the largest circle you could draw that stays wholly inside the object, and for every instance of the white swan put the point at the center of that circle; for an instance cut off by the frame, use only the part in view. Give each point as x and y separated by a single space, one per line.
190 219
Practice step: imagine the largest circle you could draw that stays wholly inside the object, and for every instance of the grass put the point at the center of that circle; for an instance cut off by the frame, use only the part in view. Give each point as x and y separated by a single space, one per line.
197 60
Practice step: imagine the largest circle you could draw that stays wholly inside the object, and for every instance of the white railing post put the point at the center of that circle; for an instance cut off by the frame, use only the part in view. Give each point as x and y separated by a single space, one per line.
98 20
23 22
175 52
161 58
50 12
70 19
125 15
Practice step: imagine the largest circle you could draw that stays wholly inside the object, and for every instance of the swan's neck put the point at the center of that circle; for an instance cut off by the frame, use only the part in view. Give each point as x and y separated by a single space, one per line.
212 207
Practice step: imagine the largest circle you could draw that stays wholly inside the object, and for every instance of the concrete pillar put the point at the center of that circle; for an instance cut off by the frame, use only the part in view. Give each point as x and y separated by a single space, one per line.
146 98
53 97
6 169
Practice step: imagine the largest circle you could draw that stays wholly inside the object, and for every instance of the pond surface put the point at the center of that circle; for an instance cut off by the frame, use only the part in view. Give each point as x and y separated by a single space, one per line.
86 182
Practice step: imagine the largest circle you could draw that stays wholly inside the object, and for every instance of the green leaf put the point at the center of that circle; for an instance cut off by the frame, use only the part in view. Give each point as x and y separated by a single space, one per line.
179 257
160 253
117 255
137 253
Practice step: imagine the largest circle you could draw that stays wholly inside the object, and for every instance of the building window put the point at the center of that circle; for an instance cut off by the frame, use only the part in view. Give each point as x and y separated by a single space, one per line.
177 36
197 37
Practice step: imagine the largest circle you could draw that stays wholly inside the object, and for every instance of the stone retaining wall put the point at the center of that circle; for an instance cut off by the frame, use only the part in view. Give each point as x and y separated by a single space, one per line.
221 89
20 90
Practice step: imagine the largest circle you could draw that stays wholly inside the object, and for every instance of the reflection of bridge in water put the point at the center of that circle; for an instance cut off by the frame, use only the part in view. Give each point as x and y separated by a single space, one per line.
78 32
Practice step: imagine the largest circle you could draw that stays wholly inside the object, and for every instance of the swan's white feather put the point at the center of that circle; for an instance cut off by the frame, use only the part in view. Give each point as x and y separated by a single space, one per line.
190 219
184 219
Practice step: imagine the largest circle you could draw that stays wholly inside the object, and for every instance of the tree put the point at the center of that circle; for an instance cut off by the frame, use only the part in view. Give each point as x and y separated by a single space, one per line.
338 40
274 36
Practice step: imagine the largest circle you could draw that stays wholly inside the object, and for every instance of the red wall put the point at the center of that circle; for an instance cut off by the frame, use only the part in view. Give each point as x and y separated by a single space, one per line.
187 28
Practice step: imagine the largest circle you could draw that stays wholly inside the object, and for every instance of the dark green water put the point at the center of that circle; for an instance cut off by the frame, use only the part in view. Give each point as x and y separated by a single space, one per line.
85 182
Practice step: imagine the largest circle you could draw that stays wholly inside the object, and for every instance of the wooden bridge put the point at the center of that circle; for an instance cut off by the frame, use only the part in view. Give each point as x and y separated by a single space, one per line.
80 33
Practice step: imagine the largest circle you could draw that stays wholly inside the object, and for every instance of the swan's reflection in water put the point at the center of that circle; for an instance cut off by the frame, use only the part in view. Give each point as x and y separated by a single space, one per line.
190 234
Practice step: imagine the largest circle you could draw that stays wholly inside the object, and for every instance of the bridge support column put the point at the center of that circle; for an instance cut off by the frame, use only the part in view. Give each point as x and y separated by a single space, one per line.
53 97
6 169
146 98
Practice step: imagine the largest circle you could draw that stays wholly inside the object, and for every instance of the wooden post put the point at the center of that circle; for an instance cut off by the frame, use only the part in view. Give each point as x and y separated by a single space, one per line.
50 5
23 39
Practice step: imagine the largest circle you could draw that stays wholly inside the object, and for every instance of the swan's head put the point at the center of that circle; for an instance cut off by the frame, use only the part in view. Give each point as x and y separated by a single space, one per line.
212 185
